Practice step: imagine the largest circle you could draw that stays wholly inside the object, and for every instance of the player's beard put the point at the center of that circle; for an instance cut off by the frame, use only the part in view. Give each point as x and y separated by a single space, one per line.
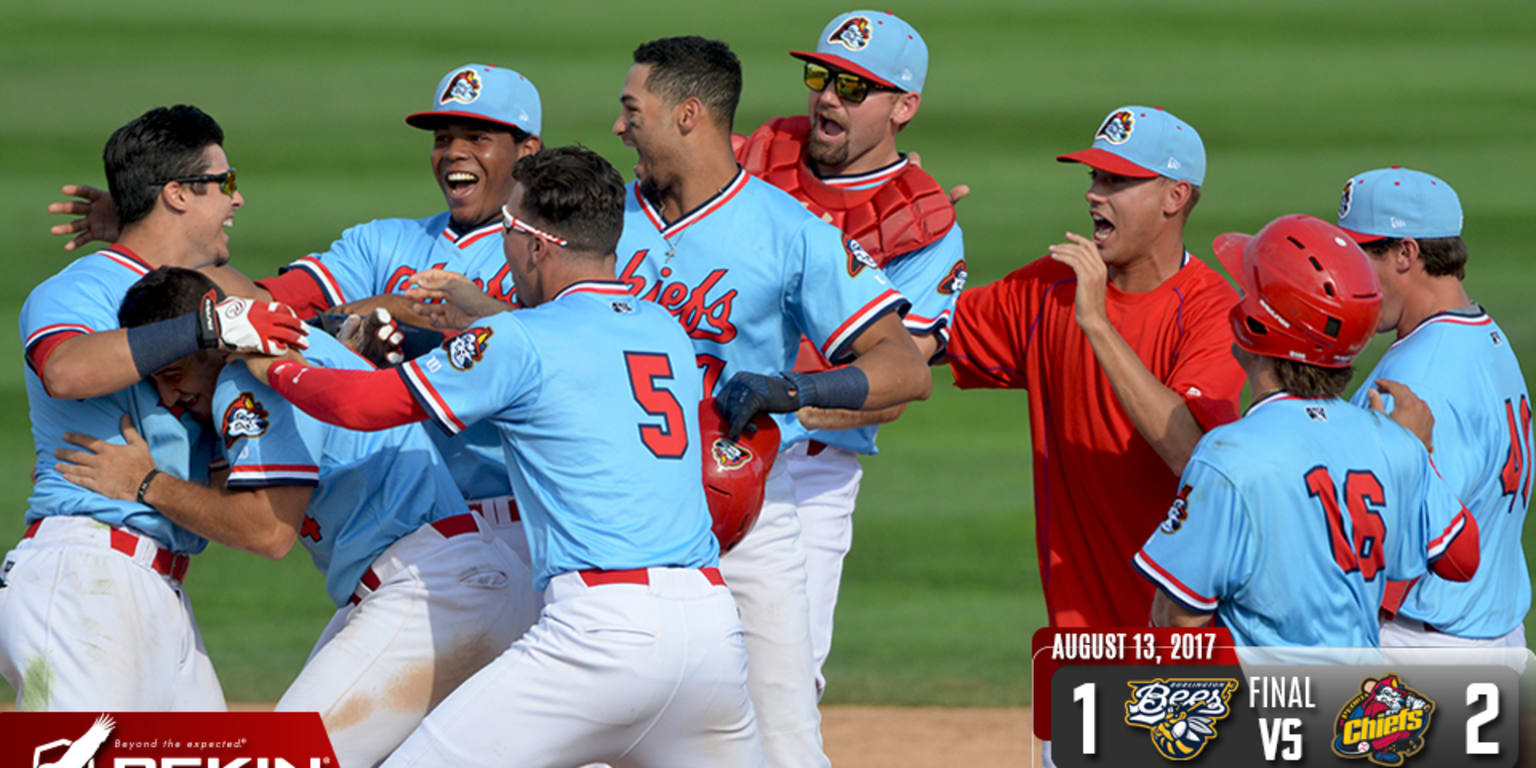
827 154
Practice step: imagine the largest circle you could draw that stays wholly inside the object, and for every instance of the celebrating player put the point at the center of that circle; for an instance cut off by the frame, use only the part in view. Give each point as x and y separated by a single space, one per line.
1295 550
424 593
125 560
1453 355
638 655
1122 341
866 77
748 271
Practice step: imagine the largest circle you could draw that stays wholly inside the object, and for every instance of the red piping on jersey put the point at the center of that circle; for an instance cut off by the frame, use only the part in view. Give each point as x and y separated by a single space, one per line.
873 178
1196 596
417 383
1445 317
365 400
697 214
270 468
1462 553
126 257
603 287
471 237
866 315
327 280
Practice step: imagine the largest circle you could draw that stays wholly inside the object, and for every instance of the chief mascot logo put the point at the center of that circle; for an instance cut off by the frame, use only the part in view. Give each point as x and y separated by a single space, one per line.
1178 512
463 87
1117 127
1180 712
954 282
244 418
467 348
1347 198
729 455
858 258
853 34
1384 723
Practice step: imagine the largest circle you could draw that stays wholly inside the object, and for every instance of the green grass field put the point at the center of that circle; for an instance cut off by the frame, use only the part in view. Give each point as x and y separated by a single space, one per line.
941 592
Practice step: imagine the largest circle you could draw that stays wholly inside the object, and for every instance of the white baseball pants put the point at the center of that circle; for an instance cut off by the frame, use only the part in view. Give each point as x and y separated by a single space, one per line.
826 489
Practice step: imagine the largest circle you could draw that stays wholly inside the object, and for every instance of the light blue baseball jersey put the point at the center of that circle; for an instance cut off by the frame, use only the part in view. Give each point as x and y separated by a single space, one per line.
1461 364
371 488
597 401
83 298
748 273
376 258
1290 520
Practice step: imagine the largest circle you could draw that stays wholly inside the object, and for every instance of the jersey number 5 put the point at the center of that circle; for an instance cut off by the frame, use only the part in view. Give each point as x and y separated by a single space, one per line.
1362 494
670 439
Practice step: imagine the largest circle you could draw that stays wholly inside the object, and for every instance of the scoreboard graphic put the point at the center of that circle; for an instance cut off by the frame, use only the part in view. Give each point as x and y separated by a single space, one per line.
1161 696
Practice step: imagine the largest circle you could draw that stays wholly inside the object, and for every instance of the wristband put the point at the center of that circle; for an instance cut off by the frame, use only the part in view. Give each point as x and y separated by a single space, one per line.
144 486
845 387
156 345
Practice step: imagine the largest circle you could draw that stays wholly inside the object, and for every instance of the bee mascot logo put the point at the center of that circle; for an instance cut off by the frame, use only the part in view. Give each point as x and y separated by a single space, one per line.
729 455
1117 127
464 88
854 34
1384 723
467 348
244 418
1180 712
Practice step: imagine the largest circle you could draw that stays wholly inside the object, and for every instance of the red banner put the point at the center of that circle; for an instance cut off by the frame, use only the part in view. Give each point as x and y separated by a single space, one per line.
1154 646
164 740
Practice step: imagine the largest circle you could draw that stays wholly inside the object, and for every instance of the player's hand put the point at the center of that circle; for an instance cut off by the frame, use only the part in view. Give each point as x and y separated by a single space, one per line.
956 193
1407 410
244 325
259 364
375 335
1083 257
98 216
456 289
748 394
111 470
448 317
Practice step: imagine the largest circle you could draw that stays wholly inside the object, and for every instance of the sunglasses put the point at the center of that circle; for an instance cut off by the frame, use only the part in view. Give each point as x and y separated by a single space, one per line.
850 87
510 223
226 181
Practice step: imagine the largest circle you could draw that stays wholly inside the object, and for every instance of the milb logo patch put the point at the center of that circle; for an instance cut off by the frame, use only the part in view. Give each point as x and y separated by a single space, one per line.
467 348
1180 713
1384 723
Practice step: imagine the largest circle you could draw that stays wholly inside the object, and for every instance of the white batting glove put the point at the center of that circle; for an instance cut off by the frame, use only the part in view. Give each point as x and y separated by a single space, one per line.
244 325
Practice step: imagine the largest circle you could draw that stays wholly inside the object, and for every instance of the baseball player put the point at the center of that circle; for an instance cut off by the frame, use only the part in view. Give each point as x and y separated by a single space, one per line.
483 118
638 657
1454 356
866 77
748 272
424 592
1122 341
1296 550
92 610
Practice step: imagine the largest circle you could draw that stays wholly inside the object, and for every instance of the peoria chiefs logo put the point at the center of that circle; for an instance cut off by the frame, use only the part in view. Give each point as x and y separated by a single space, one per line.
1117 127
467 348
1384 723
1180 712
244 418
853 34
1178 512
729 455
1346 198
954 282
858 258
463 87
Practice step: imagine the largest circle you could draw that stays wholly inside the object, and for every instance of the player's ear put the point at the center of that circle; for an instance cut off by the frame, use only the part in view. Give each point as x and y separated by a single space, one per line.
1175 195
530 146
174 194
905 108
1405 255
690 114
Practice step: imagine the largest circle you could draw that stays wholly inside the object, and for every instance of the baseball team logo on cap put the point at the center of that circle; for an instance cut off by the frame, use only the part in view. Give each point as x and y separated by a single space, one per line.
1117 127
1345 199
463 87
854 34
1398 202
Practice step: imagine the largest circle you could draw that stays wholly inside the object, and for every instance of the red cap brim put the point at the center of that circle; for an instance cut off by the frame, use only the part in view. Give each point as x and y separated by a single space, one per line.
1098 159
838 62
430 120
1361 237
1229 251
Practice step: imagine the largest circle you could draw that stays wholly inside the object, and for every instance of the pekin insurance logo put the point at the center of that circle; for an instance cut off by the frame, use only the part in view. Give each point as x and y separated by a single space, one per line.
165 740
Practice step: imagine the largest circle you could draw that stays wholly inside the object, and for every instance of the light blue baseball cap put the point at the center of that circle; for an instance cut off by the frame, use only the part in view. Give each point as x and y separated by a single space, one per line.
876 45
1143 142
483 92
1398 202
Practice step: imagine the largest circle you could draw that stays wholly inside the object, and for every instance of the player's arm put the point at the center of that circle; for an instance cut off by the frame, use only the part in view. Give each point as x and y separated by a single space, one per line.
363 400
263 521
840 418
1201 553
1167 613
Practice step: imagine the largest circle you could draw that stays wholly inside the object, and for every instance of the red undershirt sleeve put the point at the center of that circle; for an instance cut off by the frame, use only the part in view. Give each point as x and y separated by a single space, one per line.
298 289
365 400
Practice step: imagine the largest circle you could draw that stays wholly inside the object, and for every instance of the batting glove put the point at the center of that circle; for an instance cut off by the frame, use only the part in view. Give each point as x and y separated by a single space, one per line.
243 325
376 336
748 394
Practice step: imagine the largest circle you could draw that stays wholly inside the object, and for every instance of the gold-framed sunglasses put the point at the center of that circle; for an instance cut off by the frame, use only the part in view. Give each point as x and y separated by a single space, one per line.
510 223
850 87
226 181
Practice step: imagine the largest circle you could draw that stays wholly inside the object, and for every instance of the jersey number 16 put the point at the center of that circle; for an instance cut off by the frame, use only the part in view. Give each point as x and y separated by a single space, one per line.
1363 496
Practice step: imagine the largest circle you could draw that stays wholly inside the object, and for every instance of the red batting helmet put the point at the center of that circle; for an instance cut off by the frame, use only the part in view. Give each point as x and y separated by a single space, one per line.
735 472
1309 292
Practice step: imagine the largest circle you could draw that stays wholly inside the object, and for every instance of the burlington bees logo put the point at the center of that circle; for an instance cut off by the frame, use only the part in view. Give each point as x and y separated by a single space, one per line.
729 455
1384 723
467 348
464 88
854 34
244 418
1180 712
